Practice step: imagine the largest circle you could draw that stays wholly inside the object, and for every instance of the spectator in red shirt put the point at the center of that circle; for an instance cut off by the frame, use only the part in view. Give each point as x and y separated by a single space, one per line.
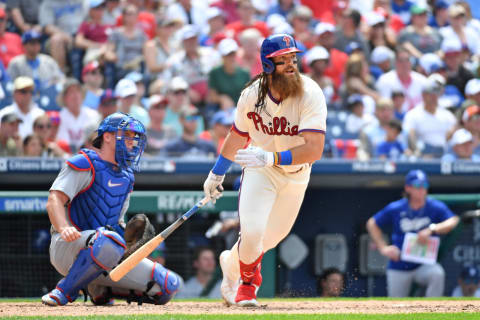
145 20
338 59
92 35
300 19
10 43
247 20
229 7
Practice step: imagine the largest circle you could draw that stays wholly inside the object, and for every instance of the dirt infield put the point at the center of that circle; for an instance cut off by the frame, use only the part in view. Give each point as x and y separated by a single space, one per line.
273 306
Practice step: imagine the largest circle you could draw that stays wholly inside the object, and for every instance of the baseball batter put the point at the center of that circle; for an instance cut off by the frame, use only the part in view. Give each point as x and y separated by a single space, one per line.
418 214
284 114
86 206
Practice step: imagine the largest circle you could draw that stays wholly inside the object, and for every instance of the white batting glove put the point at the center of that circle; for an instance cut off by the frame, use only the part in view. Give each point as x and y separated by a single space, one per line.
254 157
212 187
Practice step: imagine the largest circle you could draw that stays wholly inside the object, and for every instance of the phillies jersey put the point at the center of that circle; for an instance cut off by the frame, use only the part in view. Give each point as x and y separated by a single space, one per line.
279 125
402 219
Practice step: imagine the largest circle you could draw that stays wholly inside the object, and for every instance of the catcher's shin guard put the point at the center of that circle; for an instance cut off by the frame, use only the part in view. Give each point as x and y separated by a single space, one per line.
105 252
168 282
251 281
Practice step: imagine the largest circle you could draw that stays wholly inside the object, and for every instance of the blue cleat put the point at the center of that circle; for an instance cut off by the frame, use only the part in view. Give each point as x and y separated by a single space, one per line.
55 298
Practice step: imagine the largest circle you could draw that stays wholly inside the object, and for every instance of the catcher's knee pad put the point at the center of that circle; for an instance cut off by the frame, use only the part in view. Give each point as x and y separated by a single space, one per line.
104 251
167 281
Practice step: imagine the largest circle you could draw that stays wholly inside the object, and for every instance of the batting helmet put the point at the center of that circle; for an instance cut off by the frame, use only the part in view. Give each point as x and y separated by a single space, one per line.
276 45
119 123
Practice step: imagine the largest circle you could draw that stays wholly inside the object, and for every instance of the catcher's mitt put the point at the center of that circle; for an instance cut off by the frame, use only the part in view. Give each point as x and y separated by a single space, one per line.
138 231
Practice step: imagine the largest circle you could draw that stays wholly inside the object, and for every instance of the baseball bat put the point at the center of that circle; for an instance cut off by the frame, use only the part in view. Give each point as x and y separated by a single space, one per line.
134 259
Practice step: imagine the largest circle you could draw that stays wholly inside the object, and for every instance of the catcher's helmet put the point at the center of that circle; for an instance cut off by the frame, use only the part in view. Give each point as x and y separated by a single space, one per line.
119 123
276 45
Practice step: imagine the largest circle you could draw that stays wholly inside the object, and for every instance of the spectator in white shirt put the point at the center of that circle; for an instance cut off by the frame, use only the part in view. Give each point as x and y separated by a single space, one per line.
23 105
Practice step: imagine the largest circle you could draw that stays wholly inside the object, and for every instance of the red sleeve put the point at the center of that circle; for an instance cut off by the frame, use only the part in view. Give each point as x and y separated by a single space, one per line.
83 28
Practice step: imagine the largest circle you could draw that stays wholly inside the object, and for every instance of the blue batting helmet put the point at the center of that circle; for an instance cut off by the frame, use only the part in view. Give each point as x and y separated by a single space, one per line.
276 45
119 123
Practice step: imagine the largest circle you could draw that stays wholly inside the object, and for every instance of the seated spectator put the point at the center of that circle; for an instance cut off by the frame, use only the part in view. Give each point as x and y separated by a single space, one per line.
468 283
472 90
248 55
42 127
457 74
282 7
392 20
158 134
391 148
107 104
10 140
226 82
93 33
137 78
357 119
300 19
317 60
10 42
194 63
348 31
112 12
189 12
145 19
44 71
338 59
32 146
378 34
439 18
471 22
461 147
206 282
398 99
402 9
419 38
126 92
381 58
402 77
470 120
430 63
189 145
427 125
359 81
76 121
220 126
178 100
125 44
331 283
216 24
246 11
375 133
92 78
459 31
159 49
24 14
23 105
54 117
60 20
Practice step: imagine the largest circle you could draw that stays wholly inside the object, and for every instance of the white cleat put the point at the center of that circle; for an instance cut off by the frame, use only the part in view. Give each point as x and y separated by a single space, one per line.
228 287
248 303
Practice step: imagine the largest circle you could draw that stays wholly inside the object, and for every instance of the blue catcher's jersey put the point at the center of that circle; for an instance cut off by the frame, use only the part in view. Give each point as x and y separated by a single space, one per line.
101 203
402 219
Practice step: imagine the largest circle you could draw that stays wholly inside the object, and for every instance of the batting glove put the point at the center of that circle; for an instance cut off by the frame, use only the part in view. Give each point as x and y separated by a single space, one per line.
212 187
254 157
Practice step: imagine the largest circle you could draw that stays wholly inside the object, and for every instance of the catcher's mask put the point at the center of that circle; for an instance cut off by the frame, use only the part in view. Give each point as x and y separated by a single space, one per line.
127 129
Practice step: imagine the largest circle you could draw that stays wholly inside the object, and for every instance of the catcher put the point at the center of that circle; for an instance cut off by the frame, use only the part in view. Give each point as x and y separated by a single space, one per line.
86 206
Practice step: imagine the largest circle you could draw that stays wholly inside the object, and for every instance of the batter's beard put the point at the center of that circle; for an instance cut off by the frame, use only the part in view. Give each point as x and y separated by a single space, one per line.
287 86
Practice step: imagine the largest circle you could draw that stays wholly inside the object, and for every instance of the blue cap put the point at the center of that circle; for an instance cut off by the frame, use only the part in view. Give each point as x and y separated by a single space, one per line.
31 35
135 76
352 46
441 4
416 178
470 275
223 117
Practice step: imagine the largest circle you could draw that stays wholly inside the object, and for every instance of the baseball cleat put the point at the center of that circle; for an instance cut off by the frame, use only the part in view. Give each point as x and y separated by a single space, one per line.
228 287
247 296
54 298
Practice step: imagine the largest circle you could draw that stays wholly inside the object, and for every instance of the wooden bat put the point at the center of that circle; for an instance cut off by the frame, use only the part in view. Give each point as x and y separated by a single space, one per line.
134 259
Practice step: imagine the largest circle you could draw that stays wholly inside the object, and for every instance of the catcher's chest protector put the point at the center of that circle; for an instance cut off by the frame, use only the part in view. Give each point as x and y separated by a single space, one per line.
101 203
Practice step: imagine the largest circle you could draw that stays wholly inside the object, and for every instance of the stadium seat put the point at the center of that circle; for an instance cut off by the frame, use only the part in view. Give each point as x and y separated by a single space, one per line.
7 88
47 98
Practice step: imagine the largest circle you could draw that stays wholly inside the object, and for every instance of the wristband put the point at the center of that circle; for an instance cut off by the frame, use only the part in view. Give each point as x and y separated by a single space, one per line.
221 166
282 158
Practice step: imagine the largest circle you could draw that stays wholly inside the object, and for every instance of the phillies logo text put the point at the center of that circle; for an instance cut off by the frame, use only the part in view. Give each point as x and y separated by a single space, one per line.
278 126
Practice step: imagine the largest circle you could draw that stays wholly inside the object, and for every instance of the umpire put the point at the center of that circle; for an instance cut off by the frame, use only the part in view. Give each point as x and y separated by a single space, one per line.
415 213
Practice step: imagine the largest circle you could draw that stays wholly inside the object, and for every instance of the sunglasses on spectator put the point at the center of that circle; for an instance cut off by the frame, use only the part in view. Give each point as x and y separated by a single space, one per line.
42 126
418 185
192 118
179 92
25 91
160 106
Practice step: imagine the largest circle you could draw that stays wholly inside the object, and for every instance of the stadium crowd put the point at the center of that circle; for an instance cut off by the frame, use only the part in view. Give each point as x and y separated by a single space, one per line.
400 76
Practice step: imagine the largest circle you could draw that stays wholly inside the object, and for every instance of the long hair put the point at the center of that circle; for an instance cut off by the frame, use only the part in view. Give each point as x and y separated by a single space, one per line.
262 91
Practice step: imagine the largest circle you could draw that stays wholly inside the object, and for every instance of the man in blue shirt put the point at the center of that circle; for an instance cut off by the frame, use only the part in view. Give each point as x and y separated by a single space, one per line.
414 213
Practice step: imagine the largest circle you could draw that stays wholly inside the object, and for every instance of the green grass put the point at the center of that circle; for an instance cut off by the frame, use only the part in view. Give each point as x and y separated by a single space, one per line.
417 316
